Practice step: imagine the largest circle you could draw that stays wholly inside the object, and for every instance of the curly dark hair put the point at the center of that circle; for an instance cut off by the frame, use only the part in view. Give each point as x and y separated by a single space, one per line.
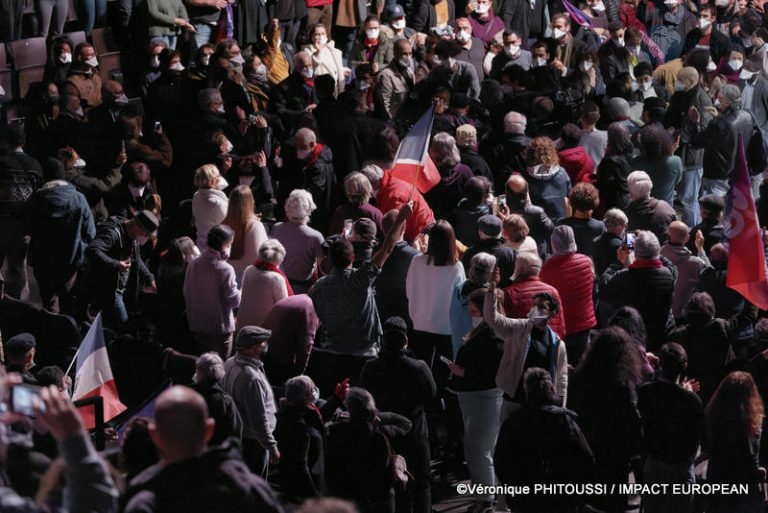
735 412
612 358
584 197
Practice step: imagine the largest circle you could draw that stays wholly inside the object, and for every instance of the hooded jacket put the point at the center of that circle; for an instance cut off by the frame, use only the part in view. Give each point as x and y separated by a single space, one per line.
61 225
547 188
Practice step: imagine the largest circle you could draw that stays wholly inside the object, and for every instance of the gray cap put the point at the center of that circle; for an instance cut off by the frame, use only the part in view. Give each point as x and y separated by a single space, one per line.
489 225
249 336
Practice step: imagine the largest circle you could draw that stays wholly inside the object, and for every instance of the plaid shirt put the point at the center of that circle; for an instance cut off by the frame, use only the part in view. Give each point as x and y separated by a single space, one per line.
346 305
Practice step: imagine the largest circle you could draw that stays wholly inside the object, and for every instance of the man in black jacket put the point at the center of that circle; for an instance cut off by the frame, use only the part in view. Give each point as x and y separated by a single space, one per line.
20 176
404 385
111 256
492 242
295 96
519 202
720 139
192 477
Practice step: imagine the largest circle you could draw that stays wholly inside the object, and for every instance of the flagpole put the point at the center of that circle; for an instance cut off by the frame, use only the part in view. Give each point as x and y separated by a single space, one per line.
73 361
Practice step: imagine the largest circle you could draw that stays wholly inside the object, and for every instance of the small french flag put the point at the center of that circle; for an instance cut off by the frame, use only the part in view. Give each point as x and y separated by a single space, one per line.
94 376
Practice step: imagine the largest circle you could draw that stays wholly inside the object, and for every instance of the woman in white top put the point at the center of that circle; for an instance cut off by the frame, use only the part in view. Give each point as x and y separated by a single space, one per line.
209 204
325 58
431 281
263 285
249 231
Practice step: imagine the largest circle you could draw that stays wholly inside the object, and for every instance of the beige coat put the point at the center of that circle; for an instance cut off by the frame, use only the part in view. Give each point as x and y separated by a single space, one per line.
327 61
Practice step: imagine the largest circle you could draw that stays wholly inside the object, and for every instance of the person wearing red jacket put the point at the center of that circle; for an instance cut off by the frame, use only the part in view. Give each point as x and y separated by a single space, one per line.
518 297
573 275
392 193
574 158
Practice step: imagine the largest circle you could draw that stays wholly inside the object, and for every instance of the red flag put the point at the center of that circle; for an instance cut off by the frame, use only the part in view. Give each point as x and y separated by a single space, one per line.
746 259
412 162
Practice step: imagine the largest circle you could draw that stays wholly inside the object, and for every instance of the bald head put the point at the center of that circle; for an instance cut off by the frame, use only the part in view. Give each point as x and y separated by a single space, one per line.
302 60
517 184
718 253
678 232
181 428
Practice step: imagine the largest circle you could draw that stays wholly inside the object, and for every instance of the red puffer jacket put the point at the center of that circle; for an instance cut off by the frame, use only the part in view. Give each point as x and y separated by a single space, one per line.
573 277
518 300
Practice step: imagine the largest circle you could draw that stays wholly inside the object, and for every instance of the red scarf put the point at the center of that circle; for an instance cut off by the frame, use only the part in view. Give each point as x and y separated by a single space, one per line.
315 155
646 264
264 266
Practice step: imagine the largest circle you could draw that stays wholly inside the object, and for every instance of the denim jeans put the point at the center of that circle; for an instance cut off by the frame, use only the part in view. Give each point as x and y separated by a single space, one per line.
113 310
481 412
170 41
93 13
688 195
203 34
47 21
712 186
656 471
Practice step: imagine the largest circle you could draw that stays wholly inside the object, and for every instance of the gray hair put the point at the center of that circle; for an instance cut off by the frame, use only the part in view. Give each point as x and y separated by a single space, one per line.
527 265
209 368
614 218
647 245
299 389
639 184
299 206
206 97
731 93
272 252
373 173
445 145
480 268
305 135
515 123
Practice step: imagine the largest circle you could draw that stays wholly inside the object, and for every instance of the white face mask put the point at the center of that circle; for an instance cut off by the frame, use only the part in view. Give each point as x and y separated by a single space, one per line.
308 72
476 321
512 50
463 36
303 154
647 84
557 33
176 66
205 60
482 8
679 86
65 58
93 62
229 147
220 110
721 3
321 40
735 64
711 66
599 7
747 42
372 33
716 103
398 25
237 60
540 61
670 3
635 86
538 317
225 253
704 24
585 66
154 62
746 75
404 62
79 112
620 41
142 239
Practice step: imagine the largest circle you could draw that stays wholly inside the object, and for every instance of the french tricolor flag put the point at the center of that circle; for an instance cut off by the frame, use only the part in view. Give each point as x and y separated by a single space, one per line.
412 162
94 376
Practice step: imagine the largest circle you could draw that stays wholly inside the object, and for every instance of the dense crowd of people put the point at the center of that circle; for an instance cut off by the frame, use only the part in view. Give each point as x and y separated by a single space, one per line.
555 309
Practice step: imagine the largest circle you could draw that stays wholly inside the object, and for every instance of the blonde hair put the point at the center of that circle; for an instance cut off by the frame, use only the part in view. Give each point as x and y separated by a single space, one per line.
240 216
357 188
205 176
